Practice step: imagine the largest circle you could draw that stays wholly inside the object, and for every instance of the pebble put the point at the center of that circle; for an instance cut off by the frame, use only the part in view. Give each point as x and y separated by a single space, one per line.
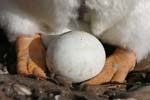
22 90
126 99
3 69
58 97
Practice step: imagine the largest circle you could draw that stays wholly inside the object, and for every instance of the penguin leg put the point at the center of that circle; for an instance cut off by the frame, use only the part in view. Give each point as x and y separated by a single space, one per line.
31 56
116 67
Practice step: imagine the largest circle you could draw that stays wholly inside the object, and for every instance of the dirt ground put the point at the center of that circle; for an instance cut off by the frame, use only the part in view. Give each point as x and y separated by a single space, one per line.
15 87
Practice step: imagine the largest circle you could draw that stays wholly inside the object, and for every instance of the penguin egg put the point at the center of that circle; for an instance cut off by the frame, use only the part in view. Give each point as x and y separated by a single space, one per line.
76 55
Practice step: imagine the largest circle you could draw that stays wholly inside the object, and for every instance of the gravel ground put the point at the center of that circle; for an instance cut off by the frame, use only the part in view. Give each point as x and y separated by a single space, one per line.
15 87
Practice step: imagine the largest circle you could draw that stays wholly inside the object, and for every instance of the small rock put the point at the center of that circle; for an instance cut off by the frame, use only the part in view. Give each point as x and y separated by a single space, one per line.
58 97
126 99
22 90
3 96
3 69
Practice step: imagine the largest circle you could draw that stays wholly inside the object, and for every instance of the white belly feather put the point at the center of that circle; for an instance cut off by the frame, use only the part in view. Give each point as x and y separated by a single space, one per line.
125 23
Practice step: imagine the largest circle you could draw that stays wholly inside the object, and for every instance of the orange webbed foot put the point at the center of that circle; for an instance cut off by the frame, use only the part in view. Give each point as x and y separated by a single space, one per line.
31 56
116 67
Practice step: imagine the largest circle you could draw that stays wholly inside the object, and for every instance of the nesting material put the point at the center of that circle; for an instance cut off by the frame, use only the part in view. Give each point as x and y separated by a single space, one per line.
76 55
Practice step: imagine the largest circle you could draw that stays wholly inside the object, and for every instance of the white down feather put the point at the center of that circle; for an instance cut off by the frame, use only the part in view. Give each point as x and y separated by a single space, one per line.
125 23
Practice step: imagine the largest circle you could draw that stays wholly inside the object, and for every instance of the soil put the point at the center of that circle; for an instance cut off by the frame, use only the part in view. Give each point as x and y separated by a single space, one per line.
15 87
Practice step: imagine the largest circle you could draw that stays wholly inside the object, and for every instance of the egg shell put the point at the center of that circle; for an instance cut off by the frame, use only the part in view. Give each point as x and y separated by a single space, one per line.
76 55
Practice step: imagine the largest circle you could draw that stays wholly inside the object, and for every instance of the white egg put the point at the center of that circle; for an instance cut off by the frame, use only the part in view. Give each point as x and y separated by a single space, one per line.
76 55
